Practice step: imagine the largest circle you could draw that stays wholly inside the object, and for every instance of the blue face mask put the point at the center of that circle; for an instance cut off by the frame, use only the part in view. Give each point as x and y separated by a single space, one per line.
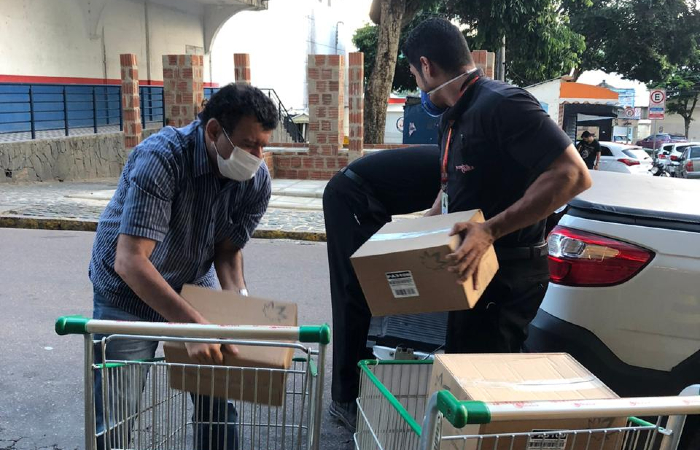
431 108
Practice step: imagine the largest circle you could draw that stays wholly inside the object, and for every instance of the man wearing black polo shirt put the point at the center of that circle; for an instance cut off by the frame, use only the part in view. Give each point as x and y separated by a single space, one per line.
500 153
357 202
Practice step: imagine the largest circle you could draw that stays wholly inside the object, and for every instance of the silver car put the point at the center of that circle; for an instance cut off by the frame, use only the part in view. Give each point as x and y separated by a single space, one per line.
689 164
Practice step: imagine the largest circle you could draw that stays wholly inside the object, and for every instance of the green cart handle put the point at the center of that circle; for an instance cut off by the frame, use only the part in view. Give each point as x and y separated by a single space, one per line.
320 334
462 413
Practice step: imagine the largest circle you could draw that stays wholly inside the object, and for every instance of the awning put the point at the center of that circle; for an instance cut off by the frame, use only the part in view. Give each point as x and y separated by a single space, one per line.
591 117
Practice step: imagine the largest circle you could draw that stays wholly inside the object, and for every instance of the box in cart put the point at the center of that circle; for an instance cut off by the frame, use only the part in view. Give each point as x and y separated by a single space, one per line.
521 378
403 268
241 380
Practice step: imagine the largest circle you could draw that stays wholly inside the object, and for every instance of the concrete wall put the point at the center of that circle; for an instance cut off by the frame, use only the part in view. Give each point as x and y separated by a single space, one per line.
674 124
65 159
49 38
548 93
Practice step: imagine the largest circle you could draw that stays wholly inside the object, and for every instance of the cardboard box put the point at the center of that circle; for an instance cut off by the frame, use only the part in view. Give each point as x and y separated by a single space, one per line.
229 308
523 377
402 269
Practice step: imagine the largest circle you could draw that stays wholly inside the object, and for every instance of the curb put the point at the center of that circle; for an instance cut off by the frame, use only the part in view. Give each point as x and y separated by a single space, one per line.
61 224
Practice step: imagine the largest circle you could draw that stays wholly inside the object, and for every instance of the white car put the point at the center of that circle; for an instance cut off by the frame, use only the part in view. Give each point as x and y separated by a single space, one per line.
624 158
669 155
623 297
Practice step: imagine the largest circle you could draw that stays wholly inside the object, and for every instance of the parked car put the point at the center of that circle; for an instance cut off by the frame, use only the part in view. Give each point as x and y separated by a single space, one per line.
623 297
670 155
624 158
689 163
657 140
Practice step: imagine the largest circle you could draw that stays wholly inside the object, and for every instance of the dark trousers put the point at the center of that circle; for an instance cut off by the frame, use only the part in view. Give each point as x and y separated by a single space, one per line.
499 321
352 216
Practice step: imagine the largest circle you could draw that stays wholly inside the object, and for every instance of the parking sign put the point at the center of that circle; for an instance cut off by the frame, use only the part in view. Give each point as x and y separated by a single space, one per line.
657 104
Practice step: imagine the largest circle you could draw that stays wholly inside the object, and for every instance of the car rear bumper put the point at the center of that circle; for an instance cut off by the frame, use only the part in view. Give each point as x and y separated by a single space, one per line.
551 334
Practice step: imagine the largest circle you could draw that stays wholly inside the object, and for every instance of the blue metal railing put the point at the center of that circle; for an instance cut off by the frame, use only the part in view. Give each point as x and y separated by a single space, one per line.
31 108
152 106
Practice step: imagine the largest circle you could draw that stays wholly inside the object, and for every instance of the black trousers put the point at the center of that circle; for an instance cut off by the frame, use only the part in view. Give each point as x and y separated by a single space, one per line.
352 216
499 321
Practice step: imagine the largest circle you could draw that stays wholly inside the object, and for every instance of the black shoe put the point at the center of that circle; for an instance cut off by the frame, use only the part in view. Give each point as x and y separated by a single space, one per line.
345 413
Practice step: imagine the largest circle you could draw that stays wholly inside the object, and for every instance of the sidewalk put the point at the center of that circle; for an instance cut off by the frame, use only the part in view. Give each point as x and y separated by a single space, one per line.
295 210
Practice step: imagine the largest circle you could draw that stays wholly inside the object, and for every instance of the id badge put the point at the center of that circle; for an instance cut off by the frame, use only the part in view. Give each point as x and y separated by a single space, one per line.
444 202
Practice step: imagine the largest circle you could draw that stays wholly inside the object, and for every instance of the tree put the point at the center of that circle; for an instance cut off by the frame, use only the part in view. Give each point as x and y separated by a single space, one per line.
365 39
391 16
640 40
540 43
682 92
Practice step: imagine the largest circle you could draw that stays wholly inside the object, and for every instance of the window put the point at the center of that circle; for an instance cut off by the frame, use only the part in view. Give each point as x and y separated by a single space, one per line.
605 151
694 152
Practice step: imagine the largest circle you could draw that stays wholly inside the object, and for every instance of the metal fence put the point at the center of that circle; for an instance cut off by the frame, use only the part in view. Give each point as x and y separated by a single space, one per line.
152 106
37 110
31 111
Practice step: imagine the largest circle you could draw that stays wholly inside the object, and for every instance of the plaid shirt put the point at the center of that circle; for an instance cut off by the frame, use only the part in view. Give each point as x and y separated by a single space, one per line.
169 193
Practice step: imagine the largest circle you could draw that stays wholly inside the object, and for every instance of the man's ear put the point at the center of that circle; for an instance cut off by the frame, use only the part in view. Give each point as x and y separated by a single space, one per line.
426 67
212 129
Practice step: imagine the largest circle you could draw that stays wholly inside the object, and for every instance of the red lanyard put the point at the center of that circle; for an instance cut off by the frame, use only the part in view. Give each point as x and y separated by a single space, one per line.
443 169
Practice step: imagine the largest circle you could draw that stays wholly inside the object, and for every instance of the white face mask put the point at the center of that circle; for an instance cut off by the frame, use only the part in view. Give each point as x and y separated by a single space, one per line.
240 166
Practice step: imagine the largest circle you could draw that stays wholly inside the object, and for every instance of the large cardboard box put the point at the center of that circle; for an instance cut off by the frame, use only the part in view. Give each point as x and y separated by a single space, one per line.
523 377
229 308
403 268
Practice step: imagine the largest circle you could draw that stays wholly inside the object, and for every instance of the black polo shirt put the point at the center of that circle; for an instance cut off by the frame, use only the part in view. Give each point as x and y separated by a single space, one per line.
501 142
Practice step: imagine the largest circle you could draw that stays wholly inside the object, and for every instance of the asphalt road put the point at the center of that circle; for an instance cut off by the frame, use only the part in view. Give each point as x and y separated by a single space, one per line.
44 275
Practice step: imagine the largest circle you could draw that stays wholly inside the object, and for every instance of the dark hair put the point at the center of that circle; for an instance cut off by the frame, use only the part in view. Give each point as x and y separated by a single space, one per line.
585 134
441 42
235 101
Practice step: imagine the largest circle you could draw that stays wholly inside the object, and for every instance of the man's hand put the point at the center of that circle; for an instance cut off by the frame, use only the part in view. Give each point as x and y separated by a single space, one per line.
476 239
209 353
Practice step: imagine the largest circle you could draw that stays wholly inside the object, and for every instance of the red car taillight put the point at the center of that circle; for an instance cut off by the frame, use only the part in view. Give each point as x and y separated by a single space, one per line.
662 156
578 258
689 166
629 162
674 158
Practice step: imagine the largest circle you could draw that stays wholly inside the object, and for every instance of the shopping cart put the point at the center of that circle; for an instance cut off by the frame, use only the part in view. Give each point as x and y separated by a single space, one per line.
395 412
157 416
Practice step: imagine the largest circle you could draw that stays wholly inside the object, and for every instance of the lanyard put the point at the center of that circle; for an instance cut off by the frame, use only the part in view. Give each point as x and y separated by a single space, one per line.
443 168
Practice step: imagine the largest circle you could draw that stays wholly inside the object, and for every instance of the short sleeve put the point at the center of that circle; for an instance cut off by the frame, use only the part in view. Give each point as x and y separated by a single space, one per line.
147 207
527 134
246 218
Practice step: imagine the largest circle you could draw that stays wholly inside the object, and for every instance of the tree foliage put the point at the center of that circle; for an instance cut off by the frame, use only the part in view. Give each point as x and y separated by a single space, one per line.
639 39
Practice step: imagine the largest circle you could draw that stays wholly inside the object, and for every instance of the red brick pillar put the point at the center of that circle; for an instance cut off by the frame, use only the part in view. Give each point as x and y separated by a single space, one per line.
356 103
490 64
131 105
485 61
183 87
241 67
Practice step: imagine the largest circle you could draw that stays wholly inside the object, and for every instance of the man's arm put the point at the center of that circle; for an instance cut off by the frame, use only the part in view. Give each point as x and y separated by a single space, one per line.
436 209
133 265
565 178
228 261
597 156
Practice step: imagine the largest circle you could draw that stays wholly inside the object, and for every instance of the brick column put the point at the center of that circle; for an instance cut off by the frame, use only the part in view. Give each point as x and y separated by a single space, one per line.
356 102
325 78
490 64
241 67
183 87
131 105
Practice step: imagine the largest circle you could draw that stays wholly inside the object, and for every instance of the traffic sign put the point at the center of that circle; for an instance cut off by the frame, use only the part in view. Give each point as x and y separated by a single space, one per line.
657 104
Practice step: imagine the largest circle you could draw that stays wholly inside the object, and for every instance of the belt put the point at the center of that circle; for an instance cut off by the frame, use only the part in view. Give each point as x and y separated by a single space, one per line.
353 176
514 253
